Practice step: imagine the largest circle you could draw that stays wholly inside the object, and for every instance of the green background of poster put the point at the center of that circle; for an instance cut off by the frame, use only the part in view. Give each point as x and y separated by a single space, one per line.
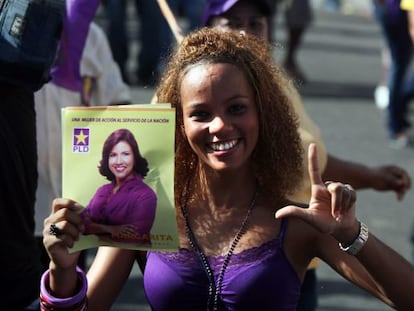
153 127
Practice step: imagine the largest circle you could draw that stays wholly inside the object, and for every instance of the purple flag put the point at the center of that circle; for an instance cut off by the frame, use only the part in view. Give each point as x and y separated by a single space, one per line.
66 70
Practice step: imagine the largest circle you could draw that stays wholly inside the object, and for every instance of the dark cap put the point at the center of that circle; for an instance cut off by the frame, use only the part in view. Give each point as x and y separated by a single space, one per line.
219 7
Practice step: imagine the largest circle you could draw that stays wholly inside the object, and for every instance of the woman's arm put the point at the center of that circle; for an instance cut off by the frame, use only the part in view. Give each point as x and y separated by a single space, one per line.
392 271
107 275
144 206
376 268
62 278
360 176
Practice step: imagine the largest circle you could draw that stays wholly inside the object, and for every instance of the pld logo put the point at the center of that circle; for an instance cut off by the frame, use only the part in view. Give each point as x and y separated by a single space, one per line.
80 140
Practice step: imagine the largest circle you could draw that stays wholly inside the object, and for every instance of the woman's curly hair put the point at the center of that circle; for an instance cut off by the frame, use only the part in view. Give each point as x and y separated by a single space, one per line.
277 157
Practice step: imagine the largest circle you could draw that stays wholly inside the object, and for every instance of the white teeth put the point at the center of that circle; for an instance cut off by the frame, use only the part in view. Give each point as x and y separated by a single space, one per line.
223 146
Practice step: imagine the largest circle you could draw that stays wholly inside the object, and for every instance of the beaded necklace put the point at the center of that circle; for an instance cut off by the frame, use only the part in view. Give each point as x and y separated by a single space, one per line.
214 287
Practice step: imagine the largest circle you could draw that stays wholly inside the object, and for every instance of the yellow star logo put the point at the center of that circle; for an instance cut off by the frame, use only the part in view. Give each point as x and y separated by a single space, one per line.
81 138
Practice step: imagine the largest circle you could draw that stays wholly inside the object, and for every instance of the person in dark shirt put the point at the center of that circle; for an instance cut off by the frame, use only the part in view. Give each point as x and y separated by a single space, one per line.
20 257
20 262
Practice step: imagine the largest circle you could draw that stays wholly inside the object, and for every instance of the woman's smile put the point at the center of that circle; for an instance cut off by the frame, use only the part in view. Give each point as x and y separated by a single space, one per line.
120 168
223 145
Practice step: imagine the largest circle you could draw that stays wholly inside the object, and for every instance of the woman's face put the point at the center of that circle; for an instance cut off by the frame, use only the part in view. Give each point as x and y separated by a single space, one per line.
220 115
243 16
121 161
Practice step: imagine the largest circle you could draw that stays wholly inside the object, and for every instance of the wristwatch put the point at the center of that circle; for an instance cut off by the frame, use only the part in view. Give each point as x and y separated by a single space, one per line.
359 242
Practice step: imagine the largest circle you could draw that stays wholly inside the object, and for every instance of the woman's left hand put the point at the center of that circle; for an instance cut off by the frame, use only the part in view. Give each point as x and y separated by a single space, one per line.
331 208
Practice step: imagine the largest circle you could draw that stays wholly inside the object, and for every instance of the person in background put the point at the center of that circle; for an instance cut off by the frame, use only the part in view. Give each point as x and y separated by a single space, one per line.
298 17
253 19
394 26
243 244
332 5
20 260
155 39
381 92
408 5
190 10
102 86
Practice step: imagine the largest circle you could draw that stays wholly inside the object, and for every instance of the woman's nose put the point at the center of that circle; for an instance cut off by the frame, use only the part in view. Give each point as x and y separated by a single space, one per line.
217 124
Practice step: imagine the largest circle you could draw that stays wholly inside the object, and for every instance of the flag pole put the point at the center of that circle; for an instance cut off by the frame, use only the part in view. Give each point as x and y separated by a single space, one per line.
172 22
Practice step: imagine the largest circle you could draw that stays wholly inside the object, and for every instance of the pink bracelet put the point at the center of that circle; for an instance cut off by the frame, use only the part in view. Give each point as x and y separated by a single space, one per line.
76 302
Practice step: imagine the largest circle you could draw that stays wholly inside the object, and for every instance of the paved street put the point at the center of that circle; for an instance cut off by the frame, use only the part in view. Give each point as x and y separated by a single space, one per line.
341 58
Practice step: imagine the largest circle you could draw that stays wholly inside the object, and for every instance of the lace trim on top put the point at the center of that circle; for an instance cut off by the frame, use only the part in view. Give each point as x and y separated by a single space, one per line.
255 254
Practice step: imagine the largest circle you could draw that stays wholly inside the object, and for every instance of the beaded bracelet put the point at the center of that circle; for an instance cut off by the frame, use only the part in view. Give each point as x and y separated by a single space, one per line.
77 302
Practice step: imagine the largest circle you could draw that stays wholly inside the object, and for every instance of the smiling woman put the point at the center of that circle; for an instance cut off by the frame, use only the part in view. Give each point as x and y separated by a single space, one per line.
124 209
243 244
219 118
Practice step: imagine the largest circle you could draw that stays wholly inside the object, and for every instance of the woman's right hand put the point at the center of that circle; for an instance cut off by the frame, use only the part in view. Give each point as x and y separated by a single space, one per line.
65 216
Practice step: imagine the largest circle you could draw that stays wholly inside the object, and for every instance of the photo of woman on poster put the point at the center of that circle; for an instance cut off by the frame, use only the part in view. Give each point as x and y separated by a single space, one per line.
124 209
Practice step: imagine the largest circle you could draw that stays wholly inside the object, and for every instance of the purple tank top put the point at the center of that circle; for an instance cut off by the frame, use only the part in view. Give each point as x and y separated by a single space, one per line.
259 278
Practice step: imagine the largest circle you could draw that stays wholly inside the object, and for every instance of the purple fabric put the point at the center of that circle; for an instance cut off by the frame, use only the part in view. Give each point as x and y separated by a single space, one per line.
393 6
260 278
66 70
134 203
216 7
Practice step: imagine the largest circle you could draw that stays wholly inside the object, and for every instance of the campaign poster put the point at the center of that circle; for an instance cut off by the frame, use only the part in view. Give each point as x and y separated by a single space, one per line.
118 163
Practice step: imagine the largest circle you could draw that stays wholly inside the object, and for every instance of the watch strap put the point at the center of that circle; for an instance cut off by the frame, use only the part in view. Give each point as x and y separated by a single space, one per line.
359 242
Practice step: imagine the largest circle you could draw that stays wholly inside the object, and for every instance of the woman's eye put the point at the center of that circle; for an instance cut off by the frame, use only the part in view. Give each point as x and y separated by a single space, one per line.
200 115
237 109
